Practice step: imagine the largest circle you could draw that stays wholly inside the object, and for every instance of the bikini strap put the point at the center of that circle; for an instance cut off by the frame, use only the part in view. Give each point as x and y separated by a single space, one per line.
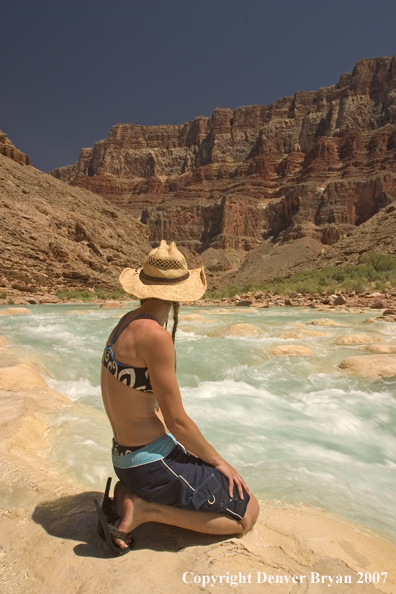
118 332
118 326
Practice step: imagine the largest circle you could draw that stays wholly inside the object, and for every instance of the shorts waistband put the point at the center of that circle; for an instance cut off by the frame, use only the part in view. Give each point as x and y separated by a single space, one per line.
153 451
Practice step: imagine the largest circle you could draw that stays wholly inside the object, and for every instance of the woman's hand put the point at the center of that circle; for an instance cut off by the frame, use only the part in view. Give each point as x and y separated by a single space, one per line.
233 478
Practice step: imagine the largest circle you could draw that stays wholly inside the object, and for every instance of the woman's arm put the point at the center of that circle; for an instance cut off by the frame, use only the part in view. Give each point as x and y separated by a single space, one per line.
160 359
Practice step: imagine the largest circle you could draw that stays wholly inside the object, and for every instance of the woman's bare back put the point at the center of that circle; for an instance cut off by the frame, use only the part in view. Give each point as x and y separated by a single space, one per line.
133 413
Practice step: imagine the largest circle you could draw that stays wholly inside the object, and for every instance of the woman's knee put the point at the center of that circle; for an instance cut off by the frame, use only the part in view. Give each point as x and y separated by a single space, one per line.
251 515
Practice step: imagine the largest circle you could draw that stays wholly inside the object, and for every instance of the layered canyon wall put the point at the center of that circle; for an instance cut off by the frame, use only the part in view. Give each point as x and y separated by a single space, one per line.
9 150
313 165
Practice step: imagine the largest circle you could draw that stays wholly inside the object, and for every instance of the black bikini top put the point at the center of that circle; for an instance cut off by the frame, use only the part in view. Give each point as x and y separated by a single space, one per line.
135 377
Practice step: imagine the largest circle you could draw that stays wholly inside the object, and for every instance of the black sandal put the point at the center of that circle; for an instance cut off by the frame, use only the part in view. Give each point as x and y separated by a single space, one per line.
108 516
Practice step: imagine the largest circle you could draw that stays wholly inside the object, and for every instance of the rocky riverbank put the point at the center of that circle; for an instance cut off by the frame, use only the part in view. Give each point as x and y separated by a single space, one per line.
383 302
365 301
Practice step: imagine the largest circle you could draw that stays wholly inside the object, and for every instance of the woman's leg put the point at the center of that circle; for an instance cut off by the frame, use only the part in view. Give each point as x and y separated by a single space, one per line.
135 511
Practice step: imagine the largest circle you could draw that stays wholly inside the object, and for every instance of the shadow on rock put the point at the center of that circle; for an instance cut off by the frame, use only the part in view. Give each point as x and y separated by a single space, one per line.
74 517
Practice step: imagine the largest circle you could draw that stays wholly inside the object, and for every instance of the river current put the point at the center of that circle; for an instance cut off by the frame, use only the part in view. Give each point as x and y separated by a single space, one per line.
299 429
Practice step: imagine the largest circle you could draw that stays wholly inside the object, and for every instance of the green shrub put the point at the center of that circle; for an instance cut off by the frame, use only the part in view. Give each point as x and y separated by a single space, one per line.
3 294
380 262
103 293
87 295
381 286
354 284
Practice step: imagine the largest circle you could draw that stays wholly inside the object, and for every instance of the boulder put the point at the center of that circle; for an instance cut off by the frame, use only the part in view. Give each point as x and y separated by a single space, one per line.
389 319
374 366
339 300
24 288
242 330
323 322
15 311
111 304
191 318
354 339
293 350
377 305
380 348
303 333
291 303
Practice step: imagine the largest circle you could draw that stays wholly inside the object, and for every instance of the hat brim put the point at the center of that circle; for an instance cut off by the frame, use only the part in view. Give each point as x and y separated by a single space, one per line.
190 289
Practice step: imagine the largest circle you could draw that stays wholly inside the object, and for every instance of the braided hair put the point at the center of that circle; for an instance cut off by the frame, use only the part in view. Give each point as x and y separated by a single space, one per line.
176 306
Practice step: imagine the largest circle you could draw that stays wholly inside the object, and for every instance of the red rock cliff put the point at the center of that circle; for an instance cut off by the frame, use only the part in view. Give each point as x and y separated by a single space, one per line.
314 164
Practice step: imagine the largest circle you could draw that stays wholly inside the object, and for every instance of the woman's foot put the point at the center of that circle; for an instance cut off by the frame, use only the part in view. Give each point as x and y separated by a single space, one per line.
126 524
131 509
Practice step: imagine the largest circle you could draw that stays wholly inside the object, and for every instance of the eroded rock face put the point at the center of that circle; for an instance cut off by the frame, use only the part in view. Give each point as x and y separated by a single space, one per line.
315 165
55 236
8 150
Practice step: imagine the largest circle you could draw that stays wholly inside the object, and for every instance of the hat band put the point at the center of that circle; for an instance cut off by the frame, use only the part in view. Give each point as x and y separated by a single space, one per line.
163 281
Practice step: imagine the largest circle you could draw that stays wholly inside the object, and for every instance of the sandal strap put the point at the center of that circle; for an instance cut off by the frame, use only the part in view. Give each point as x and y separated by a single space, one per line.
124 536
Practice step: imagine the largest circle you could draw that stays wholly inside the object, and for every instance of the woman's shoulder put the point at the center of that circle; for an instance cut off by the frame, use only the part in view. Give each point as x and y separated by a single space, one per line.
147 328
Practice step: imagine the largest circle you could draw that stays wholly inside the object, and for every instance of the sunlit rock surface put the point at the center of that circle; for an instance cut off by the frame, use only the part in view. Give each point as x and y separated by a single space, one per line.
348 339
242 330
323 322
374 366
293 350
15 311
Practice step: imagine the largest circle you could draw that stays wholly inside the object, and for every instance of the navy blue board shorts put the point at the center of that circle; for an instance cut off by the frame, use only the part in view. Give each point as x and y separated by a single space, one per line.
163 472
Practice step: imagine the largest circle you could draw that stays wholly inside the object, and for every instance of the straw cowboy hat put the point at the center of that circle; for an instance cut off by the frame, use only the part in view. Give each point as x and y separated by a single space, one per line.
164 276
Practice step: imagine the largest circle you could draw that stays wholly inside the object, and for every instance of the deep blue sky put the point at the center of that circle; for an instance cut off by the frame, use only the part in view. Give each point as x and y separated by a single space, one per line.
71 70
